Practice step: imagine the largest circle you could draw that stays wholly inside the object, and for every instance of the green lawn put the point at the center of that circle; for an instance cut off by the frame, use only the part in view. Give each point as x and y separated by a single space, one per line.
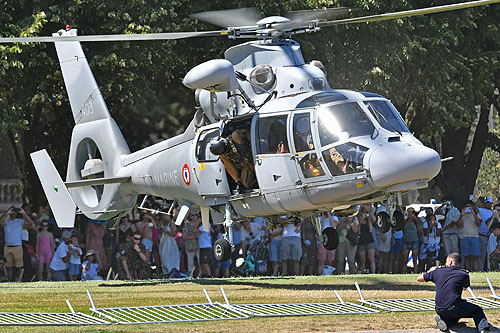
51 297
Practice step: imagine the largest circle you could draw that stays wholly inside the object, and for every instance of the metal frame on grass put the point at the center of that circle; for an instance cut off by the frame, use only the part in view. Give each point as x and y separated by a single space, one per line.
420 304
304 309
493 293
49 319
168 313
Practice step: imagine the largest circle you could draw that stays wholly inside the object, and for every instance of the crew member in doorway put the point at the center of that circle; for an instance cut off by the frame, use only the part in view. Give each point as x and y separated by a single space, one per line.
236 154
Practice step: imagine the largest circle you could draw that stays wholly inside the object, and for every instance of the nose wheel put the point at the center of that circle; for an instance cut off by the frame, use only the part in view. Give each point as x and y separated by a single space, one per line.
397 221
330 238
222 250
383 222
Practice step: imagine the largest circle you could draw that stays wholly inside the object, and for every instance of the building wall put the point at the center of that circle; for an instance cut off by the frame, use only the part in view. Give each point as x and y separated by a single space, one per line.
10 185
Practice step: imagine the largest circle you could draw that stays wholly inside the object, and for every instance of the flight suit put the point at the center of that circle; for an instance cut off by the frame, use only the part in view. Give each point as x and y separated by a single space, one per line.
138 268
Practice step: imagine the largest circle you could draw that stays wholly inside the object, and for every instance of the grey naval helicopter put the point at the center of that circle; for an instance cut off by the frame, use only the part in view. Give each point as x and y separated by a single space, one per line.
269 137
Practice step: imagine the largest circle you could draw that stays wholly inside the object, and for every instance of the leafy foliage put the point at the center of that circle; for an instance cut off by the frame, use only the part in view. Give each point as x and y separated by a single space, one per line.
435 68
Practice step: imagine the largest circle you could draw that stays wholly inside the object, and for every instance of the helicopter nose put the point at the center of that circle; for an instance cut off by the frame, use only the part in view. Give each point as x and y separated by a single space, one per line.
397 163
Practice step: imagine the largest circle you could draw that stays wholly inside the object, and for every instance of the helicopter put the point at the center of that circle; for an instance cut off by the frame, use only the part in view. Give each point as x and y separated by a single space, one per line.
269 136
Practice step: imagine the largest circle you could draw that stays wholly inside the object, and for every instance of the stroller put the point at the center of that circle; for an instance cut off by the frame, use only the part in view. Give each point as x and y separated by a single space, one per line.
255 263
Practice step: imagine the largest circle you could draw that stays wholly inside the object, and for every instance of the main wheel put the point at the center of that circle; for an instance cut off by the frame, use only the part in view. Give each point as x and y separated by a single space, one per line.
331 238
398 221
383 224
222 250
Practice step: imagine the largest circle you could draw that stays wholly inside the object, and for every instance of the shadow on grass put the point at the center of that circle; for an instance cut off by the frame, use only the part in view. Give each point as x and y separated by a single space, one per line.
377 285
294 283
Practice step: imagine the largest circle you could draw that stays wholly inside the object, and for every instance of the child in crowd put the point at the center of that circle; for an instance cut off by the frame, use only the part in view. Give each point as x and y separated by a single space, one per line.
74 260
90 268
3 270
494 247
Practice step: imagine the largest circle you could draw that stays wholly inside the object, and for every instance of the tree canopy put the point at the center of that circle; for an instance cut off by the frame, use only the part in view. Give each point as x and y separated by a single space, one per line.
439 70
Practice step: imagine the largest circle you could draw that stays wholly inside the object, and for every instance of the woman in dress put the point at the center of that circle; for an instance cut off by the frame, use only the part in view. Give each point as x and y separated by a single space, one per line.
94 241
44 249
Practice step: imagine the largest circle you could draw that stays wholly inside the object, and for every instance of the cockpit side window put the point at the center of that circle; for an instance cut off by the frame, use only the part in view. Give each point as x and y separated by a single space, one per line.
302 132
342 121
345 158
271 135
387 115
203 153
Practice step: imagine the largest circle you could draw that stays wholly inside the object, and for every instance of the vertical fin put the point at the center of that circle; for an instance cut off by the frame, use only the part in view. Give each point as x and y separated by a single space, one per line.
87 103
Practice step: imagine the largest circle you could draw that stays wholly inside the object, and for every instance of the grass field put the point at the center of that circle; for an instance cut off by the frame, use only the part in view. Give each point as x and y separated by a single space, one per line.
51 297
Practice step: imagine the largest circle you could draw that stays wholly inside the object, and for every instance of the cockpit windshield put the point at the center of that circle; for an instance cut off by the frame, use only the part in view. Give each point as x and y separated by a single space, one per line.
387 115
342 121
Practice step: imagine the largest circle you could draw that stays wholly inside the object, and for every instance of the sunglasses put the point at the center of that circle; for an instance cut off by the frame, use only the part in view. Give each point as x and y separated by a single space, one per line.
45 225
137 238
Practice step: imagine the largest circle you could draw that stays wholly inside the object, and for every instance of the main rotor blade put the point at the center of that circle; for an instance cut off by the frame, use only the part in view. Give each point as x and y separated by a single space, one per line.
231 17
112 38
408 13
317 14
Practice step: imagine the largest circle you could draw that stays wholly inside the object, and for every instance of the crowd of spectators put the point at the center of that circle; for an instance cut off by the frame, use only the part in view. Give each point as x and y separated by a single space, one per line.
34 248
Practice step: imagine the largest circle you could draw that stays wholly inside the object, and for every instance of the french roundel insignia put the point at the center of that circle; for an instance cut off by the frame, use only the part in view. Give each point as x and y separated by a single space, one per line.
186 176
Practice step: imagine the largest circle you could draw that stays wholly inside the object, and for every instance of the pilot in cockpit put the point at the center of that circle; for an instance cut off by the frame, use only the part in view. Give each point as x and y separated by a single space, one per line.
338 161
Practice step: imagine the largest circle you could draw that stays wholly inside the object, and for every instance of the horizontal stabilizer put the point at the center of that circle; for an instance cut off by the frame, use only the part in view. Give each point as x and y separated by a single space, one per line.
60 200
97 181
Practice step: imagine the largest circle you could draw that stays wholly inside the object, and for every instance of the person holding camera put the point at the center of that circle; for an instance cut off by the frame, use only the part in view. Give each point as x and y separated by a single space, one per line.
366 245
145 228
485 213
450 307
411 238
326 257
348 230
60 261
449 231
13 222
430 247
468 225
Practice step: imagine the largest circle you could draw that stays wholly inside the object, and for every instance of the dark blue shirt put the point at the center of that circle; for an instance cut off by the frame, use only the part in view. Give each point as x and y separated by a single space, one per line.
450 281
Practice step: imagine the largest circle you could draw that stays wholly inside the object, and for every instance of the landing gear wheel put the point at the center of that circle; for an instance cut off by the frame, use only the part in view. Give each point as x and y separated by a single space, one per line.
331 238
398 221
383 224
222 250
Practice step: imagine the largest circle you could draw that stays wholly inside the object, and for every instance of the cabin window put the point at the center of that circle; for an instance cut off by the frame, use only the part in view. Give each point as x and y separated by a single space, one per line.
203 153
271 135
302 136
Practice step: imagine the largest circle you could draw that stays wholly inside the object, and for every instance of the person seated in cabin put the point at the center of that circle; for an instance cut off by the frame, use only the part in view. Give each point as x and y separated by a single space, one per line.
236 155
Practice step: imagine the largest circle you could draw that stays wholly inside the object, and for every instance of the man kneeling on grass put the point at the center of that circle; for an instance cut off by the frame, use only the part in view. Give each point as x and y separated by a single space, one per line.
450 307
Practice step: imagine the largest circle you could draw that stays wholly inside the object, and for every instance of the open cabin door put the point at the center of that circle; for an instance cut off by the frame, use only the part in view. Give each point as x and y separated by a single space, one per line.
210 174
